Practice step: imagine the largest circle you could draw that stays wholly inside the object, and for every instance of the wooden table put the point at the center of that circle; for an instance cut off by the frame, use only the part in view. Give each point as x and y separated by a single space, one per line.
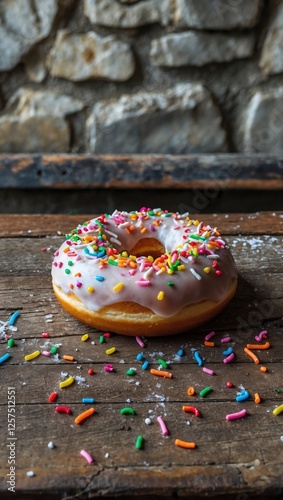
240 459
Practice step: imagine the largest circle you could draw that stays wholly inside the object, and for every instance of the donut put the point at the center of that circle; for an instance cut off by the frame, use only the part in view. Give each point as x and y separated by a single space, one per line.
148 272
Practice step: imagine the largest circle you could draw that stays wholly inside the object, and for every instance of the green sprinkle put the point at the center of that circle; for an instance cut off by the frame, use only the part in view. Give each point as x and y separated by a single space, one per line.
139 443
70 263
112 262
67 271
53 349
151 212
168 215
11 342
127 411
131 372
205 391
101 339
197 237
170 283
278 391
162 363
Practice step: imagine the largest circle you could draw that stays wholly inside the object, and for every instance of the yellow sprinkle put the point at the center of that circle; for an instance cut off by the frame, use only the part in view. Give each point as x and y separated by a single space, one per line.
67 382
95 247
207 234
206 270
195 252
84 337
190 222
150 258
90 289
160 296
144 229
110 351
125 254
181 267
118 288
133 257
196 222
170 271
277 410
31 356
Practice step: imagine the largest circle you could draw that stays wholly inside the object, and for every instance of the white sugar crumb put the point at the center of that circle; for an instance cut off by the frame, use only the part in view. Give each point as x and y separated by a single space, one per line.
64 374
188 422
128 400
106 455
122 361
281 438
147 421
80 379
51 445
49 316
30 473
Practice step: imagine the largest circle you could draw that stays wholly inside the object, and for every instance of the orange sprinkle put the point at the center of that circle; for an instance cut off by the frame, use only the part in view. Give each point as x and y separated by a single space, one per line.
71 286
84 415
77 275
263 369
257 398
259 346
144 229
127 230
184 444
132 264
88 238
209 344
68 358
131 228
251 355
191 391
66 249
161 373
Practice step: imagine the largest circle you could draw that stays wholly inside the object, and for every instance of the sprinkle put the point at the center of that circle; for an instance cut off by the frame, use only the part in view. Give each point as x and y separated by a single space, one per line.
67 382
84 337
107 335
170 283
53 349
198 358
196 275
277 410
229 358
180 352
99 278
131 372
90 371
31 356
225 339
46 353
108 368
87 456
147 421
209 335
127 411
234 416
80 418
191 391
139 341
229 385
160 295
67 271
90 289
206 270
53 396
101 339
88 400
118 288
205 391
145 365
263 369
45 335
13 318
162 363
259 346
143 282
228 351
68 358
4 357
218 272
184 444
139 356
160 373
139 443
191 409
51 445
208 371
262 335
63 409
257 398
163 427
251 355
242 396
110 351
30 473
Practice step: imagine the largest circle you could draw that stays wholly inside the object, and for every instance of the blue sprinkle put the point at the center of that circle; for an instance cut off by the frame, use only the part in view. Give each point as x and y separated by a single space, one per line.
198 358
101 253
228 351
139 356
145 365
88 400
99 278
4 357
92 255
180 352
13 318
242 396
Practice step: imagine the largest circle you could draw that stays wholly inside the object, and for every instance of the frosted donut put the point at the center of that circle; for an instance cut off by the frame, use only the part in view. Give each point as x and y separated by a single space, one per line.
147 272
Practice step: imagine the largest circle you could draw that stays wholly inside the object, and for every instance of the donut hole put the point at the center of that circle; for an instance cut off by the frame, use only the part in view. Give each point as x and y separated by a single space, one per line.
148 246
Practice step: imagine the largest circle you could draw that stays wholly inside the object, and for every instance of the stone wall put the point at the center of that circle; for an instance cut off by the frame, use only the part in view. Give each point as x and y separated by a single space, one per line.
141 76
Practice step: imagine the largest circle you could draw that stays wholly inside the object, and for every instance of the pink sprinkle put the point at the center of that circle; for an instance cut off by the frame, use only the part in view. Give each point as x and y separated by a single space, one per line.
45 353
142 266
208 371
139 341
176 227
239 414
209 335
45 335
56 253
174 258
108 368
261 335
163 427
55 264
79 284
225 339
60 264
87 456
229 358
152 228
132 272
142 282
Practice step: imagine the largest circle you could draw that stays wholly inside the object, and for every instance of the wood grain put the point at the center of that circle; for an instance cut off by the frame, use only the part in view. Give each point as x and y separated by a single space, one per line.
222 171
240 459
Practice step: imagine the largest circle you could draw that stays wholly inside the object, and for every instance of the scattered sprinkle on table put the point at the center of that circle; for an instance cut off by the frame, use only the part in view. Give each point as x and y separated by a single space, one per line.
33 355
87 456
161 373
234 416
67 382
277 410
80 418
184 444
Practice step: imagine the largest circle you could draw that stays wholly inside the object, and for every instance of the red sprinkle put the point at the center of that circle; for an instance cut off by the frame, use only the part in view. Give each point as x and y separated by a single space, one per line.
90 371
107 335
52 397
218 272
63 409
45 335
44 249
229 385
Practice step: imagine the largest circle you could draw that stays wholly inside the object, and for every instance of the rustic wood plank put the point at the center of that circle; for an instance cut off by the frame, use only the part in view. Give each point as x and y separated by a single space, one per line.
34 226
222 171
